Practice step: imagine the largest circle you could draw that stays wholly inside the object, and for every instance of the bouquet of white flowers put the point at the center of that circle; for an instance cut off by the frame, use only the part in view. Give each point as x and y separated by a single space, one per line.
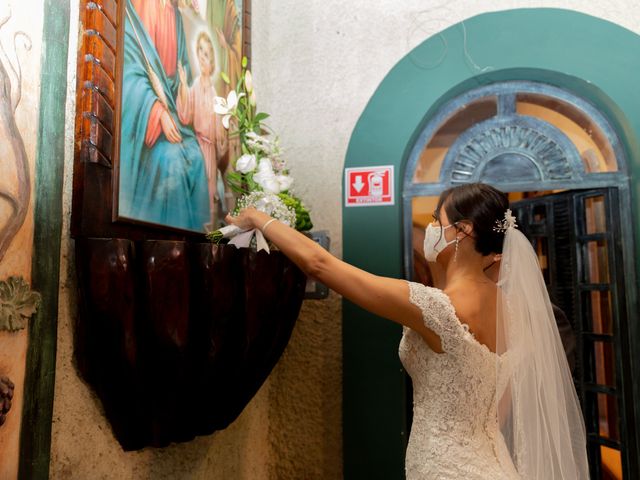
266 202
260 174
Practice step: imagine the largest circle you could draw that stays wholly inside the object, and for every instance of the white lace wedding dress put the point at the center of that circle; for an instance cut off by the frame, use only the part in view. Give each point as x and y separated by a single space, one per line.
455 433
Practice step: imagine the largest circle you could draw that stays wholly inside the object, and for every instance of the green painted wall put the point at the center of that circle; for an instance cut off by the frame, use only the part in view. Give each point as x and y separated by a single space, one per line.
593 58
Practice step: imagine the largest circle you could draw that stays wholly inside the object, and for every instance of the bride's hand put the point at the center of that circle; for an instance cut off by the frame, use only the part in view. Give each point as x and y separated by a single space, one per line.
246 219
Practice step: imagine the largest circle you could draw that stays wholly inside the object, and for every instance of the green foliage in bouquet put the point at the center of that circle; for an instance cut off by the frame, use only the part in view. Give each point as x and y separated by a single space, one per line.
216 236
303 219
260 168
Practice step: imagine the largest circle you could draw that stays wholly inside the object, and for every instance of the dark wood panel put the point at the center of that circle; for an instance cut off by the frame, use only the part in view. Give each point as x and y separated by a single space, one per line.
209 321
95 106
98 52
90 153
99 81
99 137
108 7
99 25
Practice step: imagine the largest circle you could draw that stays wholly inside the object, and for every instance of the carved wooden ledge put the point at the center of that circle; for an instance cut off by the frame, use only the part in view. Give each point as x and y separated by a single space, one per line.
176 337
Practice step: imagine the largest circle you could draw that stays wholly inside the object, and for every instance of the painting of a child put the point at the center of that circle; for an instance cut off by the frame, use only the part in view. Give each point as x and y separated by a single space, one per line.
195 107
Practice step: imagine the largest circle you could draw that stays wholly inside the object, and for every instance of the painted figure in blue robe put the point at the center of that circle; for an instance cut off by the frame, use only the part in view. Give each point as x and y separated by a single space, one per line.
162 172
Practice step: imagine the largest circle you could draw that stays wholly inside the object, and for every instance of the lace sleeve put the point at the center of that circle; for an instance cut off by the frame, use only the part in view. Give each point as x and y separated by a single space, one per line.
438 314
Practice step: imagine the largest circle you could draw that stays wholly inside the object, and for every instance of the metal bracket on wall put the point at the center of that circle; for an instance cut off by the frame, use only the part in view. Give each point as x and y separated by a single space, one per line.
314 289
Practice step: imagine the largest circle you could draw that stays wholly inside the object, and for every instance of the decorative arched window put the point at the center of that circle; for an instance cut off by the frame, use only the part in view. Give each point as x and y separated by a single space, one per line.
524 134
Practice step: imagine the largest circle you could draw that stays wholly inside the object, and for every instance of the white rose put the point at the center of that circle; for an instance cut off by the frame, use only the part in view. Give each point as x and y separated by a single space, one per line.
270 184
246 163
284 181
266 178
265 166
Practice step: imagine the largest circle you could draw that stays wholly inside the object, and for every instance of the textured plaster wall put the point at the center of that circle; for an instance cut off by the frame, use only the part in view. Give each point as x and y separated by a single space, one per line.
316 63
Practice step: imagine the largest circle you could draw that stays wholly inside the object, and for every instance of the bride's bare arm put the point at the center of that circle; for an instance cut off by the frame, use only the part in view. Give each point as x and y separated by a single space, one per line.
385 297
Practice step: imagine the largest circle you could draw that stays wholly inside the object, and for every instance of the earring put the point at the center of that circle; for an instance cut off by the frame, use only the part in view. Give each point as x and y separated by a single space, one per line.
455 255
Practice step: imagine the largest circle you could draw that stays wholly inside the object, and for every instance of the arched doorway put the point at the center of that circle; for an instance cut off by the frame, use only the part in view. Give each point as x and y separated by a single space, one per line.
565 170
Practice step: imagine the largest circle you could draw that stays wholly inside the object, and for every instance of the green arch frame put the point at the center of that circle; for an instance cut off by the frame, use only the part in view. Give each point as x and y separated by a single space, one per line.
588 56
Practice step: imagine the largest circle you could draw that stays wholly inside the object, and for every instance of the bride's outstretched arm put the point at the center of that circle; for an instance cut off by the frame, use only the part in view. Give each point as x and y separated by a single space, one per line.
385 297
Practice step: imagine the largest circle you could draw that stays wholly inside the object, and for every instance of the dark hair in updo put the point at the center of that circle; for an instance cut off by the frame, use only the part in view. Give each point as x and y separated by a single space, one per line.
480 204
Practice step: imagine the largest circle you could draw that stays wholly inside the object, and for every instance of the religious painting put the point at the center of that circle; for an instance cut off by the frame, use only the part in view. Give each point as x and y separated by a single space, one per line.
173 149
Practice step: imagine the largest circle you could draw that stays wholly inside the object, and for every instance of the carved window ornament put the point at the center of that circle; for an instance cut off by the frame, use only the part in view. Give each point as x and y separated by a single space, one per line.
524 149
531 134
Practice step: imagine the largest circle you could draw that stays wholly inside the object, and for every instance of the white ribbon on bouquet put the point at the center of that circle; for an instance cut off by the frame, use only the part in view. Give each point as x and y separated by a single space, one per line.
242 238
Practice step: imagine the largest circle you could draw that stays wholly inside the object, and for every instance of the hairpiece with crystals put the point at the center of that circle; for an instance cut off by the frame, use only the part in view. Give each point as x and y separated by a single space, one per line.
508 222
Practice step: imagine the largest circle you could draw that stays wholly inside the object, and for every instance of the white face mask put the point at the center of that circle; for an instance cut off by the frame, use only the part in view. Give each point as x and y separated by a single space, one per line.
435 242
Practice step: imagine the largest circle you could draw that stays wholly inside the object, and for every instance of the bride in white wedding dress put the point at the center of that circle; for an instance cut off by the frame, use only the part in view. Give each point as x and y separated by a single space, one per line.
493 395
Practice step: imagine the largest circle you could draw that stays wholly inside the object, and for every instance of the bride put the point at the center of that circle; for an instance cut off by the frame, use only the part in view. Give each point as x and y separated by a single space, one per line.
493 395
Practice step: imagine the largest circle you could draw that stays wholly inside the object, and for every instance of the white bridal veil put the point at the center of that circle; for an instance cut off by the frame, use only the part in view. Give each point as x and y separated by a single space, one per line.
538 409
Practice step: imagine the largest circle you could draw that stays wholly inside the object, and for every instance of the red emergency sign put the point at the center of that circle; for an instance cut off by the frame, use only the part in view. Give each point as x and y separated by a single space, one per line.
369 186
